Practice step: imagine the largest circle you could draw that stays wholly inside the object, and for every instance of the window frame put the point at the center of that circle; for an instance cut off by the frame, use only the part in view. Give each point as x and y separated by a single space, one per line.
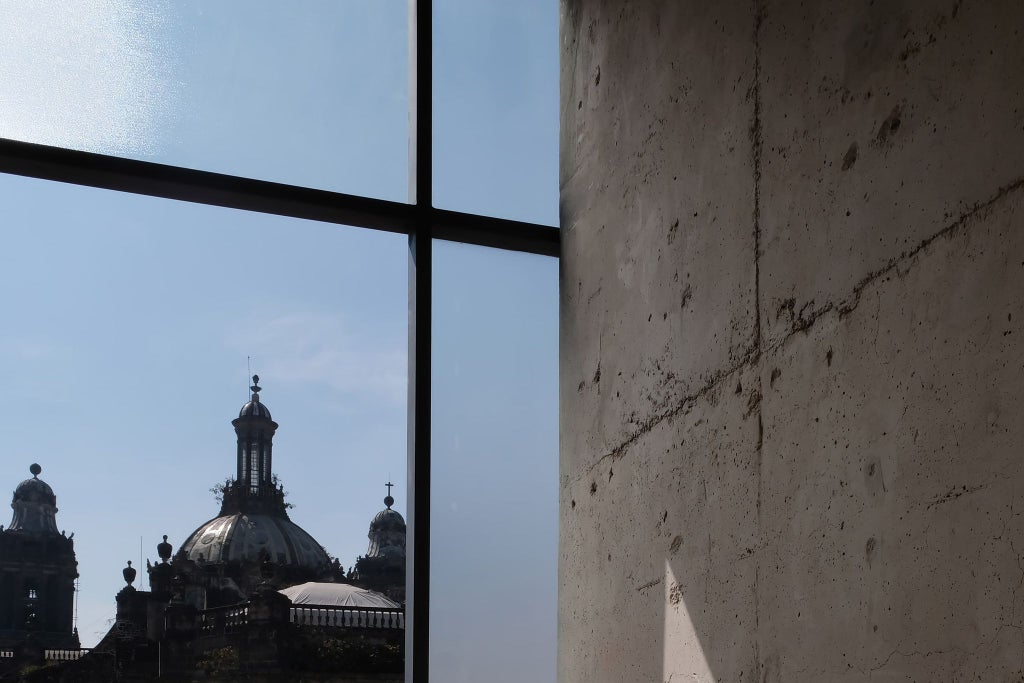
418 219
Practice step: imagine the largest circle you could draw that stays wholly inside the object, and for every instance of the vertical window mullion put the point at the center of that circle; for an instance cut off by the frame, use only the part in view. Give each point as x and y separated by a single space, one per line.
417 640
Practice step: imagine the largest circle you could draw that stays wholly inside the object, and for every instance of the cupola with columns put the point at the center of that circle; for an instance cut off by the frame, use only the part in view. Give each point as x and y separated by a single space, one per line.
254 490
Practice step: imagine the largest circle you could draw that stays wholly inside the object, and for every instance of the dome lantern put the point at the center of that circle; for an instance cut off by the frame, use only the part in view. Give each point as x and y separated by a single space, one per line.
255 430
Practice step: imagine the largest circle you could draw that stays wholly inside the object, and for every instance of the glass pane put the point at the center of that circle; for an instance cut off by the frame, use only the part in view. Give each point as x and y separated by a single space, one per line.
316 96
494 522
128 322
496 108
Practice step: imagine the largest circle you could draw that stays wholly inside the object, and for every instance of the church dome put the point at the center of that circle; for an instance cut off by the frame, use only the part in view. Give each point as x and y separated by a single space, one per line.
387 520
34 505
35 490
238 537
387 533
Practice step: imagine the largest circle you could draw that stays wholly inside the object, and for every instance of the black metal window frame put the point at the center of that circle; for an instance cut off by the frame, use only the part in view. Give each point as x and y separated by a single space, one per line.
418 219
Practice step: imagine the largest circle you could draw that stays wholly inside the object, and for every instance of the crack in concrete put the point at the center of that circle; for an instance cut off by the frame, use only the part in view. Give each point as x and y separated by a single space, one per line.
680 408
753 354
953 494
850 303
757 148
649 584
802 322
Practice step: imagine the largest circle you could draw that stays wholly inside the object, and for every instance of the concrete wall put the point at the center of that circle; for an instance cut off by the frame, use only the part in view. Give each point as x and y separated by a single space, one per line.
792 355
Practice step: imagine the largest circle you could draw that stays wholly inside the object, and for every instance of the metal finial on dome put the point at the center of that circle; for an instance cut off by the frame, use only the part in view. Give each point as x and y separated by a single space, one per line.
256 388
35 469
388 500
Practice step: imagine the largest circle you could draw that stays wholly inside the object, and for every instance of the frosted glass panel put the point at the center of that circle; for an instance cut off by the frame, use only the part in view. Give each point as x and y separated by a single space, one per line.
494 522
496 108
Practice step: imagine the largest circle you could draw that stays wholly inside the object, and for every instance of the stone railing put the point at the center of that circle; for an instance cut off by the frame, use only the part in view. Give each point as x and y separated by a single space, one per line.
223 619
65 655
351 617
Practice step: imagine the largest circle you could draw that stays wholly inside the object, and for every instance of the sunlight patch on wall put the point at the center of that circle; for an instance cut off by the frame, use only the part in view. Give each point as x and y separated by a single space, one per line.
683 658
86 74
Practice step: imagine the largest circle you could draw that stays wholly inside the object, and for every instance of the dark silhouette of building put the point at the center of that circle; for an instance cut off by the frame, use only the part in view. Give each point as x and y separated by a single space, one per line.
251 543
250 591
37 578
382 569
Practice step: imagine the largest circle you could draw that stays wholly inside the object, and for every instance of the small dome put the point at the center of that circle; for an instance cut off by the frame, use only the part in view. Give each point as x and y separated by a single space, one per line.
254 409
387 520
34 505
238 537
387 535
35 490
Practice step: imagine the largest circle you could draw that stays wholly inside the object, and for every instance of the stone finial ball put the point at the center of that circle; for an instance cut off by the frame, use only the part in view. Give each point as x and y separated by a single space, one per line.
35 469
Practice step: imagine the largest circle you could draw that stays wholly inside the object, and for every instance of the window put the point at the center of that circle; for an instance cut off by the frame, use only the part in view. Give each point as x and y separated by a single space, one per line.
424 225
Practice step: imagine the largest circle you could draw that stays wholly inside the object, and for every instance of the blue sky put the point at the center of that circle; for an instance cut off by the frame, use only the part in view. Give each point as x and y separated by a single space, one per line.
127 320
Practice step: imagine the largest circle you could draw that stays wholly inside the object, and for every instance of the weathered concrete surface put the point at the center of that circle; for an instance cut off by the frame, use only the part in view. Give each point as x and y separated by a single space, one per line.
650 543
881 123
891 461
792 274
664 248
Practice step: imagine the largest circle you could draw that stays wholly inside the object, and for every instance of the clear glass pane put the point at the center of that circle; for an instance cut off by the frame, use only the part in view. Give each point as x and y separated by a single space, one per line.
313 94
496 108
127 325
494 521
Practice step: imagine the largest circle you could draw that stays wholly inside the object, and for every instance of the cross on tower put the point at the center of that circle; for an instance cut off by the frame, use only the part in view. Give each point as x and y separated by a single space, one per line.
389 485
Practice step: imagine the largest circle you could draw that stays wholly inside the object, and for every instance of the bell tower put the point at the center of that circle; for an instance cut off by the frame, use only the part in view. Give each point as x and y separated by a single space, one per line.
37 572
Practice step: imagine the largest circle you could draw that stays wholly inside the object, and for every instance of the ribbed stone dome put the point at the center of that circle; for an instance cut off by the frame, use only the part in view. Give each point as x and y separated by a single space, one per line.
34 505
35 491
254 409
387 535
388 520
233 538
